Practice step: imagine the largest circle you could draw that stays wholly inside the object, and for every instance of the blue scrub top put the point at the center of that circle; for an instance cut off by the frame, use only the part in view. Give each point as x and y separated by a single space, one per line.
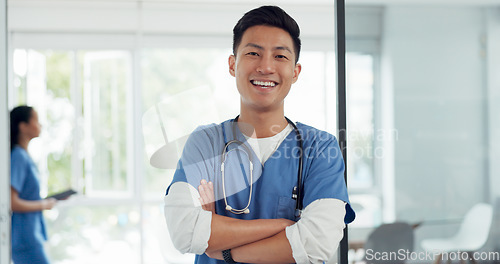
273 181
28 229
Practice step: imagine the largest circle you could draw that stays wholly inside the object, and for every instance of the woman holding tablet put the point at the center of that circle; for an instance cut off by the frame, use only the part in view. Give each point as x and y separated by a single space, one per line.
28 225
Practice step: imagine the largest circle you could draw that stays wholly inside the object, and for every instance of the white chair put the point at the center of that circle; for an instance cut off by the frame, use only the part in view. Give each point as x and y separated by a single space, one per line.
471 236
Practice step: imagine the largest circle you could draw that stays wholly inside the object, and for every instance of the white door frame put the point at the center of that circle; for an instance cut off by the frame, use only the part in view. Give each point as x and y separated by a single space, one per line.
4 143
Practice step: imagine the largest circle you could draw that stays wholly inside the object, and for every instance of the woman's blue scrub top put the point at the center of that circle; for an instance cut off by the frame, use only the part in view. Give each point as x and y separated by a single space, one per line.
273 182
28 229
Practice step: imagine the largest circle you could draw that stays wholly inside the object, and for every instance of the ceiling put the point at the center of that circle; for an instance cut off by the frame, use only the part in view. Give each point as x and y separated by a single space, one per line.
299 2
424 2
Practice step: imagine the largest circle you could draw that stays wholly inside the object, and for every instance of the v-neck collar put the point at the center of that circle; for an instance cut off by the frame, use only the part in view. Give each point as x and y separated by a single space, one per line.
239 136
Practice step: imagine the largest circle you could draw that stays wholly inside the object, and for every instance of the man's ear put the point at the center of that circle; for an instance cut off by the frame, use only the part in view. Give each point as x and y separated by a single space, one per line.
232 64
296 72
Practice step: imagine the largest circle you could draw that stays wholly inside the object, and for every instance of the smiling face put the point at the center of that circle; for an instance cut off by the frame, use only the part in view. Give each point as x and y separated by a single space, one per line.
264 67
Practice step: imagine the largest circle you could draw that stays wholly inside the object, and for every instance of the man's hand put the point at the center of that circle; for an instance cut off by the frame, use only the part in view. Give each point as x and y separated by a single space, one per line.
207 199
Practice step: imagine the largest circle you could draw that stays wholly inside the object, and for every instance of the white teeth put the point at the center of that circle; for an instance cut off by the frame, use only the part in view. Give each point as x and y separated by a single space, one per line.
261 83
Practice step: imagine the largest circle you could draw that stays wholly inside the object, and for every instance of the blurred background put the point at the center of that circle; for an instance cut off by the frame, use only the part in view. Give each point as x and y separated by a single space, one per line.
113 81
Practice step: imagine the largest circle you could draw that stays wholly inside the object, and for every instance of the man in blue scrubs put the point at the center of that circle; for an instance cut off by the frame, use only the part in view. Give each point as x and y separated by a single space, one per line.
200 202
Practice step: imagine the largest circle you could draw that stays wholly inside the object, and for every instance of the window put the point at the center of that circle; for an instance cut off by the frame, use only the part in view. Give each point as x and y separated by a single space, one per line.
364 149
81 97
107 92
43 79
360 76
363 146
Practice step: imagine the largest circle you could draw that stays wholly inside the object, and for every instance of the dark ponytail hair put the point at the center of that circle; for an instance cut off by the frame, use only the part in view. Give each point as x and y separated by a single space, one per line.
18 115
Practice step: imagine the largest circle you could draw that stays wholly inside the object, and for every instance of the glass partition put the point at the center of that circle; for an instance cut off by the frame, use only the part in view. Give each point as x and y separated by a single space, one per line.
109 97
84 101
421 96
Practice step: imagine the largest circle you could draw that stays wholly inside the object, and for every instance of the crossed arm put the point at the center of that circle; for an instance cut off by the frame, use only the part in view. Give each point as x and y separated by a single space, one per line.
195 228
250 241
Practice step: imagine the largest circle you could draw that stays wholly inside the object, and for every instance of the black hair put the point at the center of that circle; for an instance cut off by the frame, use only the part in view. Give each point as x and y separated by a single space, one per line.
18 115
269 16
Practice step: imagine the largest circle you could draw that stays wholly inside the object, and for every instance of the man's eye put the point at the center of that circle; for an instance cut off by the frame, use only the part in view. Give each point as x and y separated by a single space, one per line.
253 53
281 57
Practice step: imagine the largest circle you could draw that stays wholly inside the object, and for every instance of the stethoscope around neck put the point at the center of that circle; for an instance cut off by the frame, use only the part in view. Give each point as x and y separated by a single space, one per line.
297 190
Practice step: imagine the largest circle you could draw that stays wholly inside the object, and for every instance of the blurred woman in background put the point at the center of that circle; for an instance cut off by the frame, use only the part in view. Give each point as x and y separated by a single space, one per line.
28 225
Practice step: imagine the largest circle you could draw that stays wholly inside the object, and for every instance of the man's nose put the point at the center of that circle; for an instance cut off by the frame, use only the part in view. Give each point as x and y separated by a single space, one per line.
266 65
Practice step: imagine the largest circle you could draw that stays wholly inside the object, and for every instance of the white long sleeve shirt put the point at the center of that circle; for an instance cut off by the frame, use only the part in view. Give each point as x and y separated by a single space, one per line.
313 239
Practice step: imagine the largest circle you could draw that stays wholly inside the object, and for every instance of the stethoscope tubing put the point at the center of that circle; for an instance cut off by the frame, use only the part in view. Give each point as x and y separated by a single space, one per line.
245 210
298 204
297 192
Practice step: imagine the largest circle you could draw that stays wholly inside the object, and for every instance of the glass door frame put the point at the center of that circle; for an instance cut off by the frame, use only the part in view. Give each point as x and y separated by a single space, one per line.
340 51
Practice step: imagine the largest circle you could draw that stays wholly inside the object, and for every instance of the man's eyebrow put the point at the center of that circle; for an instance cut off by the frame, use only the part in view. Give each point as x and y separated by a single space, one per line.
284 48
275 48
254 46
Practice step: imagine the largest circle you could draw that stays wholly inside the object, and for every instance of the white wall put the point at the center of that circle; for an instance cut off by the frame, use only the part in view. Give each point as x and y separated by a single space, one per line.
493 45
153 17
494 98
435 69
363 28
441 67
123 24
435 94
441 91
438 109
